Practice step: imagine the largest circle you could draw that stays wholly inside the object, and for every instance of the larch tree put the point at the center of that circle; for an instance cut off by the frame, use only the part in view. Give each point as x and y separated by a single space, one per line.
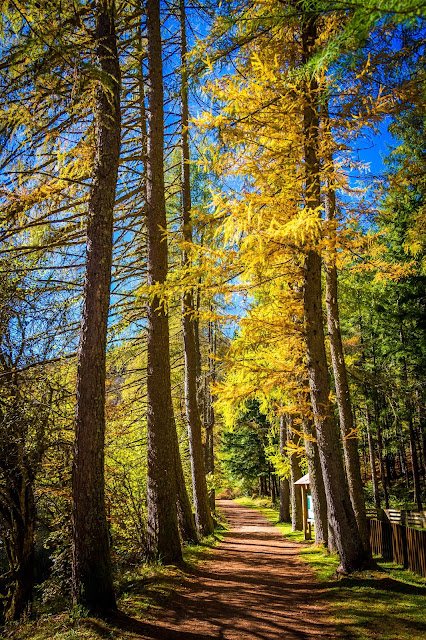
203 517
341 514
348 431
162 525
91 566
280 211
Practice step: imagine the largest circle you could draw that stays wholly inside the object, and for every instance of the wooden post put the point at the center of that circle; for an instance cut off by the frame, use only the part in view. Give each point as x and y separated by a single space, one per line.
306 530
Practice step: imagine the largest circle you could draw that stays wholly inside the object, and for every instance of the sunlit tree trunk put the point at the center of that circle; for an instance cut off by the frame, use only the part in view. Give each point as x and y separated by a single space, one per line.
347 427
162 523
316 483
341 515
203 518
91 566
284 482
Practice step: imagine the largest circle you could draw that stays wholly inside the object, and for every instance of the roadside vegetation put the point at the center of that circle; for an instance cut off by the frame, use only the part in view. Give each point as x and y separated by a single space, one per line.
142 591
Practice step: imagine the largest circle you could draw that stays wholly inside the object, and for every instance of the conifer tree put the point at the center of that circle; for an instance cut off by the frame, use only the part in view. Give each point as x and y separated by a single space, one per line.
162 525
92 574
349 438
341 515
203 518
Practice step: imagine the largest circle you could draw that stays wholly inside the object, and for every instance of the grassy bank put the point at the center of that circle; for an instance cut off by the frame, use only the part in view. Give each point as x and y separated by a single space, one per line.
389 604
142 592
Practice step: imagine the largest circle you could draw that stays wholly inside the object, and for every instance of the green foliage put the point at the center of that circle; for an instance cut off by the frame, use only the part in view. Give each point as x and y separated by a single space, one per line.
242 449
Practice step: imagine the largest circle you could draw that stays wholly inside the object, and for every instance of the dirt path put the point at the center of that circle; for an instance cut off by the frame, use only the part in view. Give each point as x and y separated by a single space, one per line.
253 588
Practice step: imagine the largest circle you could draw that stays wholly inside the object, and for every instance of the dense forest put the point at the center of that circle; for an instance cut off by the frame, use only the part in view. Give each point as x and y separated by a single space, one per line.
211 281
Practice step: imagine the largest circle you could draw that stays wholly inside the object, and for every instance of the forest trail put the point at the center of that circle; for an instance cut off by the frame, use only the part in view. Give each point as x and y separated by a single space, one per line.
254 587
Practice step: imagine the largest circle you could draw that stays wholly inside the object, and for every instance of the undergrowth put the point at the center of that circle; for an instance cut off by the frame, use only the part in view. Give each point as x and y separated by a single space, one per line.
141 591
388 604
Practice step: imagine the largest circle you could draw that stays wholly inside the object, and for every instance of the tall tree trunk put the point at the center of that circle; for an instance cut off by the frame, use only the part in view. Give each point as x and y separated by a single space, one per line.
296 474
347 427
383 476
316 483
209 415
19 542
372 454
203 518
186 521
342 518
413 451
284 482
162 523
91 566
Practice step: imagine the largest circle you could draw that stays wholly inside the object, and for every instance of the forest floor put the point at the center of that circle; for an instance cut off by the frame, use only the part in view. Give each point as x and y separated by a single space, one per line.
251 586
254 585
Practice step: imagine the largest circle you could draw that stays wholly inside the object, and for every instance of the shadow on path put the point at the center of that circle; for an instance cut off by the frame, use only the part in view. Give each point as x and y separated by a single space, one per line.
253 588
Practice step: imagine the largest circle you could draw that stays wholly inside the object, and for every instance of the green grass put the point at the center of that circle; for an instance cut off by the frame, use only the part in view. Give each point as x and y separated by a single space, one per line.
388 604
141 592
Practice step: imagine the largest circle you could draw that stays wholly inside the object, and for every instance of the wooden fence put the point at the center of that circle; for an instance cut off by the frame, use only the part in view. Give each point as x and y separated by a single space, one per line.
400 516
400 544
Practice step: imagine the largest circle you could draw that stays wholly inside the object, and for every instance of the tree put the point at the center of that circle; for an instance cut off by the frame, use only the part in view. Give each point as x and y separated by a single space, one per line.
92 574
203 517
162 528
349 437
341 515
243 445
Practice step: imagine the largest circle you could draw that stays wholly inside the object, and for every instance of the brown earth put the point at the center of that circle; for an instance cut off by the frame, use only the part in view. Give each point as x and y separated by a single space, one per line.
254 587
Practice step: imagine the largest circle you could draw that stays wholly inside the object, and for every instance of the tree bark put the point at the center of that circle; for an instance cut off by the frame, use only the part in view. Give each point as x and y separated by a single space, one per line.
341 515
296 474
186 521
203 518
91 566
316 483
162 523
347 427
372 455
284 482
19 545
